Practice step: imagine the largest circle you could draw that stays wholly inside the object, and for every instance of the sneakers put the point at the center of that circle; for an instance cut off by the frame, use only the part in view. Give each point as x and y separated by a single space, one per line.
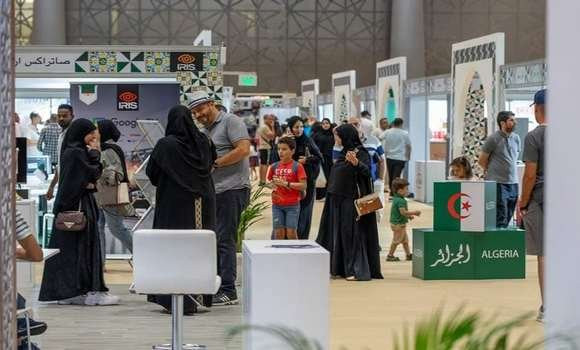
101 299
221 299
540 317
36 327
410 257
392 258
78 300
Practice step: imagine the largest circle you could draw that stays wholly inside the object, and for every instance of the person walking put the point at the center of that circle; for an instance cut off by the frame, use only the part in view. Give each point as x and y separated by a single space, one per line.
75 275
307 154
114 173
180 168
266 135
532 198
397 145
498 158
65 117
48 140
353 242
324 140
231 177
33 135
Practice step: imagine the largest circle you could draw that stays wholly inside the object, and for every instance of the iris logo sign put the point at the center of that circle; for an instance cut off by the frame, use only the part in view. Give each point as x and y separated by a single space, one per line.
186 61
128 97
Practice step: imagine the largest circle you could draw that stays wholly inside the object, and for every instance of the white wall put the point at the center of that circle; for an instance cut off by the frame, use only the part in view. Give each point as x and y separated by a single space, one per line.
562 232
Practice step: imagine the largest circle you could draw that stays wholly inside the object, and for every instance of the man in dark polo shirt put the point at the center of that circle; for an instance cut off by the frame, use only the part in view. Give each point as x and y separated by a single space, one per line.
499 157
232 184
532 200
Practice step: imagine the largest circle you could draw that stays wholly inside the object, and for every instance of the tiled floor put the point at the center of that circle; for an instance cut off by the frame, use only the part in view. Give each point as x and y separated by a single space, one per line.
363 315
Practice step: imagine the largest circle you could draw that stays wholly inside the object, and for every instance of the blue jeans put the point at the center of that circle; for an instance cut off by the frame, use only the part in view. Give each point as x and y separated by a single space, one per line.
117 228
507 197
285 216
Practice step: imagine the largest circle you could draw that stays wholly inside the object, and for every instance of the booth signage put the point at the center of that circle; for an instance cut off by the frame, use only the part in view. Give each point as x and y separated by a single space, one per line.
51 62
186 61
128 97
248 80
452 255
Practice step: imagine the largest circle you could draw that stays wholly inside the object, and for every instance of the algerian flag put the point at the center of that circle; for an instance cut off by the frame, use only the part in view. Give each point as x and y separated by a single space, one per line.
88 93
464 206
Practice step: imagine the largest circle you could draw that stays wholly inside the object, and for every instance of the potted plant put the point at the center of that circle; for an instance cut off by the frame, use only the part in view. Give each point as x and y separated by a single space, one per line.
251 215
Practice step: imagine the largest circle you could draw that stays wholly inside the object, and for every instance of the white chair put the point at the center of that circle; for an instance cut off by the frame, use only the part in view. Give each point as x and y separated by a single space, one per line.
177 263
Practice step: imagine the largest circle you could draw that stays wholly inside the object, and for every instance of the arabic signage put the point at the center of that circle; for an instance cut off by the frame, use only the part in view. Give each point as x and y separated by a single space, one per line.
447 255
45 62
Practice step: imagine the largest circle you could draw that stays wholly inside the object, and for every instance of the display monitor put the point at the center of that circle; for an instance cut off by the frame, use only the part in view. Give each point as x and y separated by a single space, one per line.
21 164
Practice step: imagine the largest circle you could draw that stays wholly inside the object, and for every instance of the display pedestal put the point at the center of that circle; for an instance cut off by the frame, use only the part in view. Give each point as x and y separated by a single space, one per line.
454 255
286 287
426 174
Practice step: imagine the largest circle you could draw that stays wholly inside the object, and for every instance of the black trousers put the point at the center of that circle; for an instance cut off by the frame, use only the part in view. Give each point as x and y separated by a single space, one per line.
229 207
507 197
395 169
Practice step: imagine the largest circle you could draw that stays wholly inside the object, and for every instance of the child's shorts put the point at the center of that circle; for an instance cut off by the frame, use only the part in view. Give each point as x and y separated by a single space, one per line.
285 216
399 233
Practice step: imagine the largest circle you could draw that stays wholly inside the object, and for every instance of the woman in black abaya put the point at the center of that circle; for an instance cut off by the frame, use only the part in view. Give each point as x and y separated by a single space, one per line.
75 275
324 139
308 154
353 243
180 167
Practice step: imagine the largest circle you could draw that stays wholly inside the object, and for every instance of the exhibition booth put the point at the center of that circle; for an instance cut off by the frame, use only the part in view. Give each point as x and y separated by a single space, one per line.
130 85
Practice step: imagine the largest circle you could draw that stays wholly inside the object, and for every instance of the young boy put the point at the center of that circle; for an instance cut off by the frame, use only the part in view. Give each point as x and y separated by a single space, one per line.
400 215
288 179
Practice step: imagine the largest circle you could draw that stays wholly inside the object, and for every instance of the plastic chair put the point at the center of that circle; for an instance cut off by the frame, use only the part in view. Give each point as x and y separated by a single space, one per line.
177 263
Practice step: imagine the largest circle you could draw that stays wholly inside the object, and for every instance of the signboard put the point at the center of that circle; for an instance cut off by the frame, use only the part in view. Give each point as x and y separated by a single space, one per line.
48 62
186 61
247 80
451 255
127 97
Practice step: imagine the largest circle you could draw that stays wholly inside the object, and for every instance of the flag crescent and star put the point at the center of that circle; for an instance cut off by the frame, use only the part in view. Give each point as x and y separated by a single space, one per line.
464 205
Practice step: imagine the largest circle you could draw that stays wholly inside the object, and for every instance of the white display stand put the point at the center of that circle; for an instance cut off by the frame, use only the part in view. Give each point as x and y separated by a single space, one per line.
426 174
286 287
25 277
28 210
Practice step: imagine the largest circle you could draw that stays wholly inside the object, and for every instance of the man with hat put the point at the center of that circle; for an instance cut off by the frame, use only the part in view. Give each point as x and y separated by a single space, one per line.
532 199
232 184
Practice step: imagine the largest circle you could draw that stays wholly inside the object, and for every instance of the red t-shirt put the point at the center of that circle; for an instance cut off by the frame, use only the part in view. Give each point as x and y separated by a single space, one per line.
281 195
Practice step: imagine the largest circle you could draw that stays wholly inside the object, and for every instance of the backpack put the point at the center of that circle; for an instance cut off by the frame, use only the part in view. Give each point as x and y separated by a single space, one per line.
294 170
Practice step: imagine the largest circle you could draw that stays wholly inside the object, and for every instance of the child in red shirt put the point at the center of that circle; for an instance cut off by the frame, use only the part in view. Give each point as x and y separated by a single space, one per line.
288 179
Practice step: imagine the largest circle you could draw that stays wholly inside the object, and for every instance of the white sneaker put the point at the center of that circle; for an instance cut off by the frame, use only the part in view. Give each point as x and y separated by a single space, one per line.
101 299
78 300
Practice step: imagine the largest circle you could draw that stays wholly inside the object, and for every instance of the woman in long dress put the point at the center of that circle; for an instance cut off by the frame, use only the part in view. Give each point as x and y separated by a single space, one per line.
180 167
324 139
307 154
75 274
353 242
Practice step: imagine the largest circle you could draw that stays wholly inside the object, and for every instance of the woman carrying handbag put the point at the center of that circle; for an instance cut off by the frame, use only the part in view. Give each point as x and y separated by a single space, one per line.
113 188
75 275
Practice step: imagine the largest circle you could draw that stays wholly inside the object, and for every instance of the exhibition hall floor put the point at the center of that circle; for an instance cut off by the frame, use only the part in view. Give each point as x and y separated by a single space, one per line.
363 315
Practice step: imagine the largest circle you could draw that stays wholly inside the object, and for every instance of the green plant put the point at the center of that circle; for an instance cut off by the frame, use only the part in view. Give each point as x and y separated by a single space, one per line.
251 215
294 338
463 330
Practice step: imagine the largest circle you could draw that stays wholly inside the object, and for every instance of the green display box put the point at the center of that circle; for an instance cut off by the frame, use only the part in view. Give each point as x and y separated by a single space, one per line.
467 206
455 255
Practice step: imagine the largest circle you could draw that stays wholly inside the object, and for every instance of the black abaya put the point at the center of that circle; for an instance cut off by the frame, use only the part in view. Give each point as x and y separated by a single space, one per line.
180 167
77 269
324 139
353 243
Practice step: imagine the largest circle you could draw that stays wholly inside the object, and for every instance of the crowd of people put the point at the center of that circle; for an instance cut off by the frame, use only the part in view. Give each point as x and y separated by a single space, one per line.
201 171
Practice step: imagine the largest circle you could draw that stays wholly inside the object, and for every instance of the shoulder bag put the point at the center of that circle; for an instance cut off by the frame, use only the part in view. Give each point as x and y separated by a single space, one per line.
367 204
71 221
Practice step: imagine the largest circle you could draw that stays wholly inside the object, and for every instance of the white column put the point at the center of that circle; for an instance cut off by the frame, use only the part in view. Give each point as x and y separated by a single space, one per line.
562 226
49 23
408 35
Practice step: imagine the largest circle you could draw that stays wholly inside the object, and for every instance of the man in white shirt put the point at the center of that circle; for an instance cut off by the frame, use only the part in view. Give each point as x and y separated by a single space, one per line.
397 146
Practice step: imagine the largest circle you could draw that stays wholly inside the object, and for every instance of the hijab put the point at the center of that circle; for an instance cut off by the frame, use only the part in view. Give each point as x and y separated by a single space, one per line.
75 134
185 154
349 137
110 132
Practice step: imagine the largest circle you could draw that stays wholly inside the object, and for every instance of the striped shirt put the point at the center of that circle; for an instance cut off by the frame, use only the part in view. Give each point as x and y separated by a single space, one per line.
22 228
